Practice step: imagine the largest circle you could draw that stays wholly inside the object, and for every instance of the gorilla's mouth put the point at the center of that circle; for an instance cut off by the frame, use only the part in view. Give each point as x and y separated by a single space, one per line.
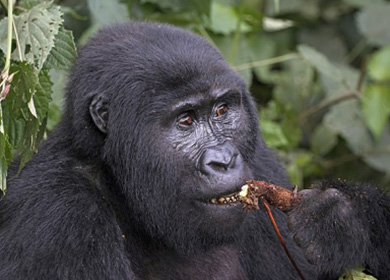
231 198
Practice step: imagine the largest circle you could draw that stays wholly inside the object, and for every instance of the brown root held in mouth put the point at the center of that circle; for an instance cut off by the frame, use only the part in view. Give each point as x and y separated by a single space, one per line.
278 197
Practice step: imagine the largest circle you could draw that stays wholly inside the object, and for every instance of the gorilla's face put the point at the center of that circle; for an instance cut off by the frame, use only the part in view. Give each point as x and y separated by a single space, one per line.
180 133
204 132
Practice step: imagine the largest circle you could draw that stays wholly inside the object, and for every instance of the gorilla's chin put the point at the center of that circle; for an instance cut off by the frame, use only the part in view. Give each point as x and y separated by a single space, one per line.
224 215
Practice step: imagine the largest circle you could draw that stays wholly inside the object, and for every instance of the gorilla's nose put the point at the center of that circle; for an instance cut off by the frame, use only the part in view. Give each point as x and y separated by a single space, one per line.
222 160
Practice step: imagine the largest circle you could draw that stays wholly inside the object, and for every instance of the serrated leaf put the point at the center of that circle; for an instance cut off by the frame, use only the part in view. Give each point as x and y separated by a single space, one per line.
379 64
42 99
376 107
63 54
373 22
5 153
28 4
5 158
36 127
23 119
15 109
36 29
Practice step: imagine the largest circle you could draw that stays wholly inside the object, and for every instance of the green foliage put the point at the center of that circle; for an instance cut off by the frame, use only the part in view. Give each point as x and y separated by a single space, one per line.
40 43
376 31
36 29
356 274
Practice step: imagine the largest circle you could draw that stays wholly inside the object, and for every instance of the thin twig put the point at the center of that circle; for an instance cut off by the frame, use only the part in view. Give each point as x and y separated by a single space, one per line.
5 72
356 51
362 75
328 103
9 38
266 62
271 217
21 58
236 38
4 6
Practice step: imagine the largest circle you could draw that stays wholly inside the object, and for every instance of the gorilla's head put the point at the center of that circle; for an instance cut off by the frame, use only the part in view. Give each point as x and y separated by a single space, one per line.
174 124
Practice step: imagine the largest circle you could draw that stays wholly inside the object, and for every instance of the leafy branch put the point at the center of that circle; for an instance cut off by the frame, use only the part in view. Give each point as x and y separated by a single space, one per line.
42 45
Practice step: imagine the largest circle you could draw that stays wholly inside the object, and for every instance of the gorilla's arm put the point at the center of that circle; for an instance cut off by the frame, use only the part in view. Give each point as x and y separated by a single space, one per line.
61 228
343 225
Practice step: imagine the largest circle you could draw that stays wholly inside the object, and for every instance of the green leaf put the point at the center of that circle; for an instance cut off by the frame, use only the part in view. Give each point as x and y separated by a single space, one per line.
224 19
225 45
5 154
25 109
36 127
363 3
378 156
15 110
294 88
28 4
379 64
201 6
105 12
346 119
63 54
323 140
273 134
337 79
373 22
356 274
55 106
320 62
36 29
376 107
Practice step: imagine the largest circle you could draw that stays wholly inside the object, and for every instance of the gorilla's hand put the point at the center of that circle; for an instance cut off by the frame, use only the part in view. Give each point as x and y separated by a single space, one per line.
328 224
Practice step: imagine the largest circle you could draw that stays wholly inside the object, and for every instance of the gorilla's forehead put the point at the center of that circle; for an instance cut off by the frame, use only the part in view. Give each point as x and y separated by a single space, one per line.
156 54
199 99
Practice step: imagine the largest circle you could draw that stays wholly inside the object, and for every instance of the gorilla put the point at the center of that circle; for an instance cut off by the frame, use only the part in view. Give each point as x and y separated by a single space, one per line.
139 179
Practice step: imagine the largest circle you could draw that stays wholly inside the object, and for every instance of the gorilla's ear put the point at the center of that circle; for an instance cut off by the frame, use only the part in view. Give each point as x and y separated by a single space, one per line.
99 111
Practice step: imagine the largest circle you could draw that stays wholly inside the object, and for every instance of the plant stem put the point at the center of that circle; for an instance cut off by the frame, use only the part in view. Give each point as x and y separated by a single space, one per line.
328 103
266 62
9 39
236 38
21 58
271 217
4 6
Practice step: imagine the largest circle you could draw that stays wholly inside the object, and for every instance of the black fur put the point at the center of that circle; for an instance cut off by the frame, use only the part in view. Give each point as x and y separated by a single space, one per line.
120 189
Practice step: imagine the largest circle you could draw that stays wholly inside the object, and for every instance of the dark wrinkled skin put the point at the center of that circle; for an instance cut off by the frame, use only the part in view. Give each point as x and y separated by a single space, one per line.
120 189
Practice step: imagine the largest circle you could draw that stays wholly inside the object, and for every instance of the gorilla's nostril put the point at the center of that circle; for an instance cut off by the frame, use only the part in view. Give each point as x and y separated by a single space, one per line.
217 166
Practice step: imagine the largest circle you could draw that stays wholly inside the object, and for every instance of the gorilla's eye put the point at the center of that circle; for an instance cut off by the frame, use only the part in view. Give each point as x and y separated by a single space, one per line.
186 120
221 110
